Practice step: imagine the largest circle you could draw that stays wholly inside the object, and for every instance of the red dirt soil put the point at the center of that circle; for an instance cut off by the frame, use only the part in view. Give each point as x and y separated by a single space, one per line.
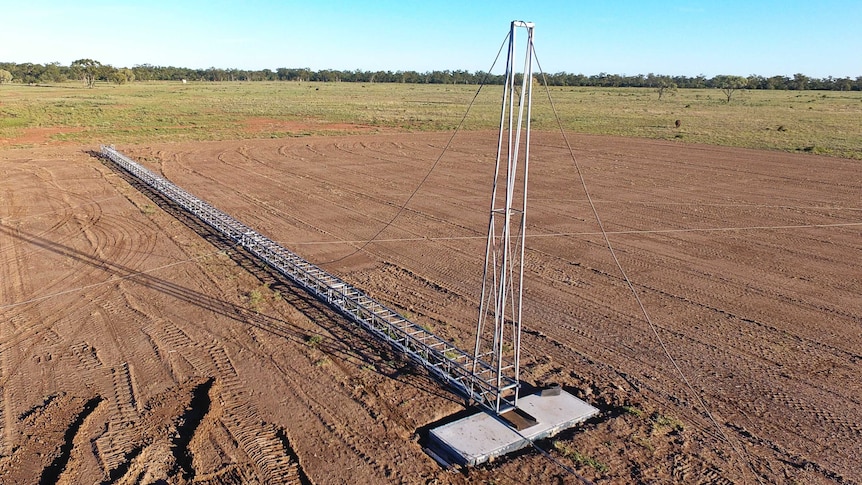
38 136
135 347
271 125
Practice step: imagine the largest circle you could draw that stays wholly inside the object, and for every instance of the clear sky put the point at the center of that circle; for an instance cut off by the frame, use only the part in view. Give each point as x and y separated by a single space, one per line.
818 38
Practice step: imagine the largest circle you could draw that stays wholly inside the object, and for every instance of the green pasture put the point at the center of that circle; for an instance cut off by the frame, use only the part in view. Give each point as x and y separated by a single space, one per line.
821 122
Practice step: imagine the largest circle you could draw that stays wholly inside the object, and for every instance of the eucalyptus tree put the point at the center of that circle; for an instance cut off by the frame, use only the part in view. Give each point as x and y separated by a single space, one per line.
88 70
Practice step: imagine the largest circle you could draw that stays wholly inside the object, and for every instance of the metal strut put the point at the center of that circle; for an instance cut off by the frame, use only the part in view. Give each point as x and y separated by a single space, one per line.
498 330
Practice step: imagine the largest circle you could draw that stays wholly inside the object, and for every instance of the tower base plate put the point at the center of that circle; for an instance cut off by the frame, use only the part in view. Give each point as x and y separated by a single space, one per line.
482 437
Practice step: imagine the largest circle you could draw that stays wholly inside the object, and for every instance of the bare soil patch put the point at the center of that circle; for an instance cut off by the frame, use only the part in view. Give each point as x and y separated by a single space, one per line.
272 125
38 136
135 346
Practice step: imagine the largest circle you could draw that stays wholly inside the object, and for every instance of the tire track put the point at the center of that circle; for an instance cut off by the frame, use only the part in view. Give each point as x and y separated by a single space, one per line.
6 417
117 443
259 440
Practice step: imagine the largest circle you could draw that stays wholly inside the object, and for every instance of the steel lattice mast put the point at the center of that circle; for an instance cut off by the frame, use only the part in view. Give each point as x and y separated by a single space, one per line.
499 343
448 363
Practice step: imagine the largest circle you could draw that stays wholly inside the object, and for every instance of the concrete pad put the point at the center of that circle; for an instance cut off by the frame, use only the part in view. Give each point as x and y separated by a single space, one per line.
483 436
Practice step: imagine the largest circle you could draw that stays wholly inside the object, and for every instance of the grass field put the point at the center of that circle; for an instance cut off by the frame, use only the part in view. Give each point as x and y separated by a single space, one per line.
828 123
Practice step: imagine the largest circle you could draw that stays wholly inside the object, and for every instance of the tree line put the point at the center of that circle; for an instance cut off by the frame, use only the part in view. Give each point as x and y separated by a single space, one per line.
90 71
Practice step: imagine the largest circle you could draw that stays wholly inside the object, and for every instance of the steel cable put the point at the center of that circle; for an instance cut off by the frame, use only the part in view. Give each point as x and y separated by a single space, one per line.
740 454
430 170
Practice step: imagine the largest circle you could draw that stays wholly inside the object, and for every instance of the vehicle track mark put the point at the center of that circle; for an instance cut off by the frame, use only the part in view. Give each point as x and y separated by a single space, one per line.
259 440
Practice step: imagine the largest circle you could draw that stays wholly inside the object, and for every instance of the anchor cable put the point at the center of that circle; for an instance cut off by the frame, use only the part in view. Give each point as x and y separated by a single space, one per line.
740 454
430 170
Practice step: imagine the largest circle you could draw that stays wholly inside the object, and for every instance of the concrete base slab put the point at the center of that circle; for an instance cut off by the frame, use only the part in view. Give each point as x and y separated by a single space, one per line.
483 436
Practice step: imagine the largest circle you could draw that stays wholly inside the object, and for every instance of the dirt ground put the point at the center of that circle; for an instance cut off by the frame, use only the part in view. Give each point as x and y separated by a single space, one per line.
135 346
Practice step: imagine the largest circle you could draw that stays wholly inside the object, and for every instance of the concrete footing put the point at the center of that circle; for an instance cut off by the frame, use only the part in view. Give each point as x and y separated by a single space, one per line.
483 436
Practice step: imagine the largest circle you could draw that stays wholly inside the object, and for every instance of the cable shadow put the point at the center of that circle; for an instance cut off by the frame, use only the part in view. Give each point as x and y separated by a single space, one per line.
119 272
350 343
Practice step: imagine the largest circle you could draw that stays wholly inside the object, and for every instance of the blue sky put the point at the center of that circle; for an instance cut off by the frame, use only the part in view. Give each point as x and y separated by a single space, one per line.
818 38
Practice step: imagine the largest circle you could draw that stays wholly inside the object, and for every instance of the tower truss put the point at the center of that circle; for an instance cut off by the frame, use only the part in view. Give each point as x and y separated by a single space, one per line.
498 329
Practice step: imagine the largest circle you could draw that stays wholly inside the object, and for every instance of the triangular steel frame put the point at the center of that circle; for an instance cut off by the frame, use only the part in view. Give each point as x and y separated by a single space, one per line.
498 329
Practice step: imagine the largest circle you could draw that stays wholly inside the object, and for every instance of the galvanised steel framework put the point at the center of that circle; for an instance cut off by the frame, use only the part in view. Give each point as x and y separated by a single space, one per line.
470 377
499 343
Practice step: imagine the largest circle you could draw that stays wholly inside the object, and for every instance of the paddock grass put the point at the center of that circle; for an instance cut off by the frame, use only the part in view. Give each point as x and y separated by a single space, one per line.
821 122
